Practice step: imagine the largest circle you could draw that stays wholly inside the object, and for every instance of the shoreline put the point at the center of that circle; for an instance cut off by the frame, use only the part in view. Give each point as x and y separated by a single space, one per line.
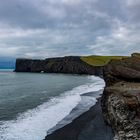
88 126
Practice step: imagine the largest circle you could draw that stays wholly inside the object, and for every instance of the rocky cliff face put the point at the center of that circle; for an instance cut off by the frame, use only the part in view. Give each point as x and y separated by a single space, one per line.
121 98
71 64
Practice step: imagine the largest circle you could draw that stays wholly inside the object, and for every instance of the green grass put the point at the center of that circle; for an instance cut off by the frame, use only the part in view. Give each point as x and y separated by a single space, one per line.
99 60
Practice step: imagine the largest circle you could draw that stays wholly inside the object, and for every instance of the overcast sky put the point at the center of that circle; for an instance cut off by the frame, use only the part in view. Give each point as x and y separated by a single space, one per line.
49 28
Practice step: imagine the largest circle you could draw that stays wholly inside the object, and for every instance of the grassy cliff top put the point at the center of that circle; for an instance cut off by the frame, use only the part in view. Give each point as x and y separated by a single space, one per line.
99 60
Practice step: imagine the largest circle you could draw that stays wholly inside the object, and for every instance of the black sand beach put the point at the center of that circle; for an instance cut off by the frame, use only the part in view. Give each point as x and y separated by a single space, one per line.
88 126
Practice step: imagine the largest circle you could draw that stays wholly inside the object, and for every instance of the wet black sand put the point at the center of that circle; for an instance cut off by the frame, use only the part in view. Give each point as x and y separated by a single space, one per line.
88 126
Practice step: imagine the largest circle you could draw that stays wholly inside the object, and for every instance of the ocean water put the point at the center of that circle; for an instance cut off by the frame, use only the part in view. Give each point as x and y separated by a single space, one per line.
31 104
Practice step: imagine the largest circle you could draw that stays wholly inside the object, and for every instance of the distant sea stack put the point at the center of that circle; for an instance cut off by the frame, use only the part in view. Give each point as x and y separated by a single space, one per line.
69 65
121 97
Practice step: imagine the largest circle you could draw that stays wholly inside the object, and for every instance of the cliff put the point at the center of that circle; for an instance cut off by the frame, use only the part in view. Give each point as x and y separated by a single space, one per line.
121 97
69 64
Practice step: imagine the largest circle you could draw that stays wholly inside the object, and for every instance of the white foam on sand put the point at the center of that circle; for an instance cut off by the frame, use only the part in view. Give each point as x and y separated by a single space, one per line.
34 124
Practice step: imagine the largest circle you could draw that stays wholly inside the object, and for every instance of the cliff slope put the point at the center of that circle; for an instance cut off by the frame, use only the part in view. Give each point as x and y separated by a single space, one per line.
69 64
121 98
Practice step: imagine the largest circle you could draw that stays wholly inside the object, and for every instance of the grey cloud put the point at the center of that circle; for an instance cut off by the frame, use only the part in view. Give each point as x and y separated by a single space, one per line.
48 28
40 14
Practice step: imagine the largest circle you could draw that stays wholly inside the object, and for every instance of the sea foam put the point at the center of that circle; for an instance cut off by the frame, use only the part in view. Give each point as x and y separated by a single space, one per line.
34 124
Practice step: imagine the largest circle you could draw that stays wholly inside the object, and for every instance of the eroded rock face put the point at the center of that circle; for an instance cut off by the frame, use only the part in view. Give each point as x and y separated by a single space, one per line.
71 64
121 98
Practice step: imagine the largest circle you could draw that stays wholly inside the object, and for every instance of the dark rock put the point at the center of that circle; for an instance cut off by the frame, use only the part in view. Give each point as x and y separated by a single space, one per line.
70 65
121 98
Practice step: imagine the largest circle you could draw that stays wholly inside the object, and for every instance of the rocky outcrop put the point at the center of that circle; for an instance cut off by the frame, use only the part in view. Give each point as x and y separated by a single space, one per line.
121 98
70 64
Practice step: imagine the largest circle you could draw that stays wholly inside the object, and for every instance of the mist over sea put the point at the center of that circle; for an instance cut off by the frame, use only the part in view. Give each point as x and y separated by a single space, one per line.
33 103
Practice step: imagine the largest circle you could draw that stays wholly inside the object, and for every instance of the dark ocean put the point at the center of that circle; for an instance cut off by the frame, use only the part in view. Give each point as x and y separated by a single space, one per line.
31 104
